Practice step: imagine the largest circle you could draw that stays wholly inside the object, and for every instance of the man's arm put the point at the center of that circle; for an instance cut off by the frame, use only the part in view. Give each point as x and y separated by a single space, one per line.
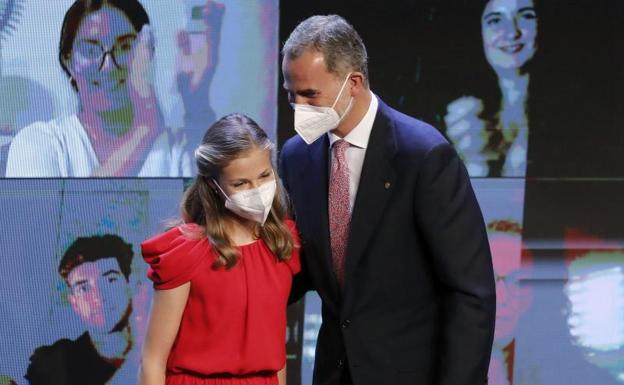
453 227
301 281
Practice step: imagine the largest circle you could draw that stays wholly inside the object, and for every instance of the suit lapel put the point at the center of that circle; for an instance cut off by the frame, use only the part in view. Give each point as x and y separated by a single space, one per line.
315 178
376 183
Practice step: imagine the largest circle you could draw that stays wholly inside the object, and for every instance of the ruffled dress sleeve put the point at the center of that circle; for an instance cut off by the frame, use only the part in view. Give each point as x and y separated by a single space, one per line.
294 263
176 255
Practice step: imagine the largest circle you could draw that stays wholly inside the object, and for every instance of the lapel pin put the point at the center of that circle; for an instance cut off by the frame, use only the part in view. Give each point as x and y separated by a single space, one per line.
387 185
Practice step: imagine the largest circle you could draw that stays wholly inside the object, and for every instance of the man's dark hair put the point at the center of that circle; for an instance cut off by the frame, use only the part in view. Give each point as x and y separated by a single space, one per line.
90 249
341 45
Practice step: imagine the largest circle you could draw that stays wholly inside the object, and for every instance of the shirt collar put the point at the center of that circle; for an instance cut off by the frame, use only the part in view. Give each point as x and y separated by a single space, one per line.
360 134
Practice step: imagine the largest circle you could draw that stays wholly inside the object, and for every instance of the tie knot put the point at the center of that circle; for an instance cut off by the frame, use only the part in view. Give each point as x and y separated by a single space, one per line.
340 148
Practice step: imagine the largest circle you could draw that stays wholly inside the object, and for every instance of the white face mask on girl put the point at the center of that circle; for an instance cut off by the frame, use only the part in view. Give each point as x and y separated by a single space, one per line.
253 204
311 122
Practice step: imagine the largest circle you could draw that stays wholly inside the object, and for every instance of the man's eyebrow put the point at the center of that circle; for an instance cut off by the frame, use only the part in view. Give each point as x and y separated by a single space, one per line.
307 92
111 272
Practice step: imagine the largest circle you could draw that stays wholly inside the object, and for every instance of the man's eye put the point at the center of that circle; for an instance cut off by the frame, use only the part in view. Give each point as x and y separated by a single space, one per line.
82 289
112 279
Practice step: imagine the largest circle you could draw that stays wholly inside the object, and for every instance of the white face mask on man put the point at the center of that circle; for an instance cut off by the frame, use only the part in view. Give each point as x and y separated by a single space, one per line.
311 122
253 204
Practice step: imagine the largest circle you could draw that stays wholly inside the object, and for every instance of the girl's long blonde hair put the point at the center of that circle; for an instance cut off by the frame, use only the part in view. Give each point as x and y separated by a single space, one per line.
225 141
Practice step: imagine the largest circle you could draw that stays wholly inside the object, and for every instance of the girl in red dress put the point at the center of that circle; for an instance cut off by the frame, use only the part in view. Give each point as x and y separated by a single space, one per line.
223 275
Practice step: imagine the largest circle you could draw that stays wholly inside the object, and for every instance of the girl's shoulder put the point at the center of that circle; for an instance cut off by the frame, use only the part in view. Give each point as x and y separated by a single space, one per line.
175 255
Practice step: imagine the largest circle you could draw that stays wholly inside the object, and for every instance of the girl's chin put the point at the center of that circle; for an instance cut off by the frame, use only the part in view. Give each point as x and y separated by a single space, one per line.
509 62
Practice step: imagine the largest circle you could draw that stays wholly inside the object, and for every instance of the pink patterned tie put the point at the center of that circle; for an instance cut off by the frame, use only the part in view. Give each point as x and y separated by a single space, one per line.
339 210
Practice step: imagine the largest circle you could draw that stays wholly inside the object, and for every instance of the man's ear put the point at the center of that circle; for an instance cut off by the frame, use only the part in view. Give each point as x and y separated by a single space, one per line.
356 83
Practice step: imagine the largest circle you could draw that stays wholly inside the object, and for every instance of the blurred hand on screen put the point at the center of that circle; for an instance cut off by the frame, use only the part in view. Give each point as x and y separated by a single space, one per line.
128 157
198 54
129 152
142 94
468 133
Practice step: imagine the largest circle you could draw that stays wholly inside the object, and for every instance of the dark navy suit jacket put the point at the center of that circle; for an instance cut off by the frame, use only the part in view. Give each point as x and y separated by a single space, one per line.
418 305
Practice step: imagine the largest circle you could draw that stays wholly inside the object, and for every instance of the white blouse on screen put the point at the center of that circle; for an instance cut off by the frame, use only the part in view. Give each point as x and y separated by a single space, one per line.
61 148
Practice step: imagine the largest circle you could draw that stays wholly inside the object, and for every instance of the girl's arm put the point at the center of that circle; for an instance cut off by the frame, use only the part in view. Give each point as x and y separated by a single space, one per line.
164 322
281 376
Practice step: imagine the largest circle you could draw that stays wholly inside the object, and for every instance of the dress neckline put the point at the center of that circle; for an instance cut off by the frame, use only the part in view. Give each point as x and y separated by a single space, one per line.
246 245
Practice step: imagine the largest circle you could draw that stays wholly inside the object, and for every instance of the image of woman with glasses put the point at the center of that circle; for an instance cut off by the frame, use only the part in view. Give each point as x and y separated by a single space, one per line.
106 49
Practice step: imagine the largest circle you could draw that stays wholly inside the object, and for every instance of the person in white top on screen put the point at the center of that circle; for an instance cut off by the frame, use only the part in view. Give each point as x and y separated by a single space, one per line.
106 49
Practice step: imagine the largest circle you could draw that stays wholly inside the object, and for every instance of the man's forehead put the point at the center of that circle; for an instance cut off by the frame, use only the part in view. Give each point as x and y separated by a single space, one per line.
309 65
93 269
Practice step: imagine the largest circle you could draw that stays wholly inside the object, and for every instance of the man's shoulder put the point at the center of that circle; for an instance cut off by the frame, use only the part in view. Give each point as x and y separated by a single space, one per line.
57 350
64 359
48 361
294 147
412 134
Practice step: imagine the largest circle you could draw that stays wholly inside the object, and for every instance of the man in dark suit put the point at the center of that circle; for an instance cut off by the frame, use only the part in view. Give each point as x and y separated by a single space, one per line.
393 238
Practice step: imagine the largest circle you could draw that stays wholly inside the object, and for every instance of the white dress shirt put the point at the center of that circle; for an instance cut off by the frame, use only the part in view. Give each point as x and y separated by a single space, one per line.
358 140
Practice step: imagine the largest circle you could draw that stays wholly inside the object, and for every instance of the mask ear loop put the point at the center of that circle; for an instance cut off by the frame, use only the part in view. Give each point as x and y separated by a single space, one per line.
271 212
220 189
341 89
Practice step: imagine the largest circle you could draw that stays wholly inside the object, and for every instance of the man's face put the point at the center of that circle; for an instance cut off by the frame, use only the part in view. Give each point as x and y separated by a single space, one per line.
99 294
307 81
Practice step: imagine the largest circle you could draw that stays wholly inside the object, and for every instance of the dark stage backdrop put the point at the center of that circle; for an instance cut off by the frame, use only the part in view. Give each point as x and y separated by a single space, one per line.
545 152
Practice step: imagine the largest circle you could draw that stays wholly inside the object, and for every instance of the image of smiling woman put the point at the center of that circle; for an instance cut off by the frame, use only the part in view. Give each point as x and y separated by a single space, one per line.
106 50
490 128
